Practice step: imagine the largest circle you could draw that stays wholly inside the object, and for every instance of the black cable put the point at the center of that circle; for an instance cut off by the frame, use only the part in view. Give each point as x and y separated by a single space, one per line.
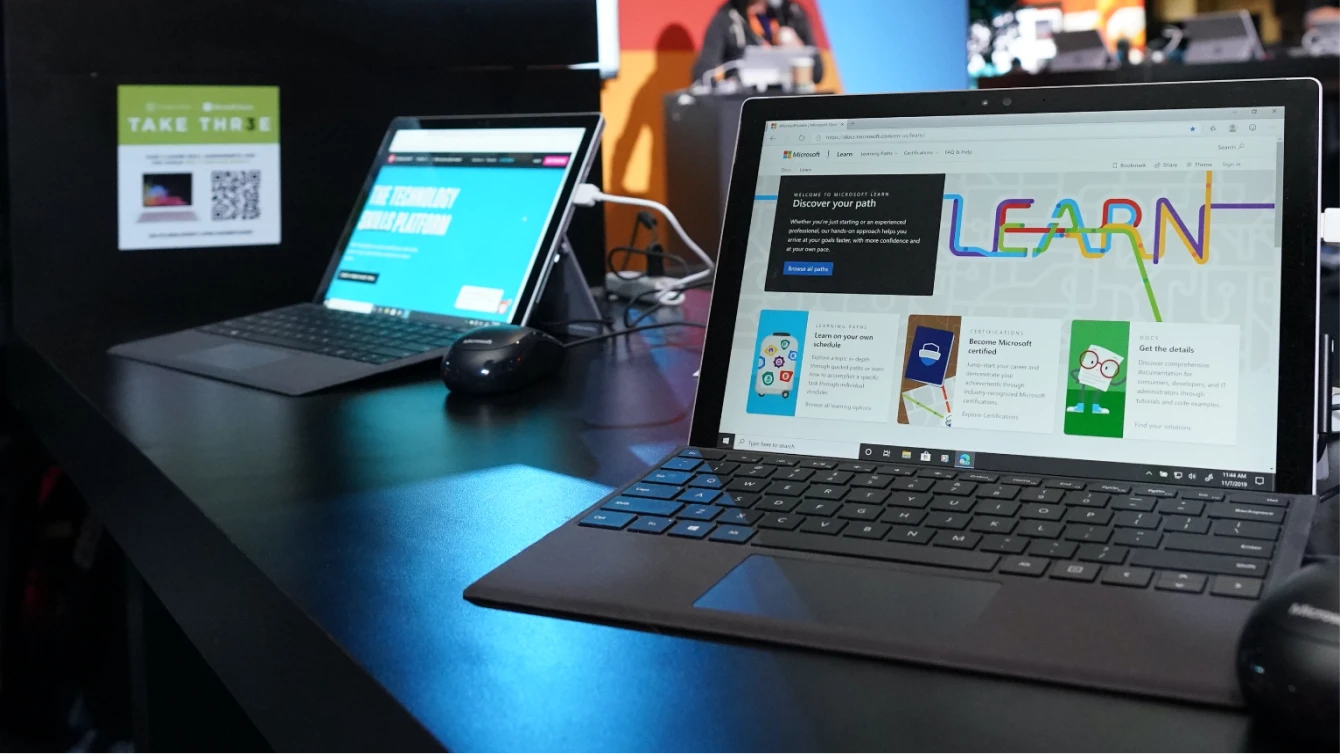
653 326
658 306
648 252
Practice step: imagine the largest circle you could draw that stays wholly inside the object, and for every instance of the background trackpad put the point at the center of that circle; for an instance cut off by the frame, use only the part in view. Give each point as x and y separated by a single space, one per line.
236 356
870 599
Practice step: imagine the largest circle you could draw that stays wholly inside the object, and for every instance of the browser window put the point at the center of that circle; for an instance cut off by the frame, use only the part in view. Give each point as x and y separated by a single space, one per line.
1097 293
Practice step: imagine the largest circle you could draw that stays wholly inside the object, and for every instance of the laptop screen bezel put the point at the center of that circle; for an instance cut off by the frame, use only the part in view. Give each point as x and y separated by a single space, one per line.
1296 428
591 125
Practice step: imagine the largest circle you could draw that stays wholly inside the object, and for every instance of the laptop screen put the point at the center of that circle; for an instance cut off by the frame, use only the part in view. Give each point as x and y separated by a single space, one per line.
1087 293
453 222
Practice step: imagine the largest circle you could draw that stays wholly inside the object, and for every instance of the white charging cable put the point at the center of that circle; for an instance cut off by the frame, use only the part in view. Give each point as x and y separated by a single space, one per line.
587 195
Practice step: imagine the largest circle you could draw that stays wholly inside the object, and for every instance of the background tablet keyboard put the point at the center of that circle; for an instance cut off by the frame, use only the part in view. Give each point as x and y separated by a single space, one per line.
1119 534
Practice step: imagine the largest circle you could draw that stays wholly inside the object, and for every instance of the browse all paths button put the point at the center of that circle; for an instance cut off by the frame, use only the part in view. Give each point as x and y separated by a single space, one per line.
807 268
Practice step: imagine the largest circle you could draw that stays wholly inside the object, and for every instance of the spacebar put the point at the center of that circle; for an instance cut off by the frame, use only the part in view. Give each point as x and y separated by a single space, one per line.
895 551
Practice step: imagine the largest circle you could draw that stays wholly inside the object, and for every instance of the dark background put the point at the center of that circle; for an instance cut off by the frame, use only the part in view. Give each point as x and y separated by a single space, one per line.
344 69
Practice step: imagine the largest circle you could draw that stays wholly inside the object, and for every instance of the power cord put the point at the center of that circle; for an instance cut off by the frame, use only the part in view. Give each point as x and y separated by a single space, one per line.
630 330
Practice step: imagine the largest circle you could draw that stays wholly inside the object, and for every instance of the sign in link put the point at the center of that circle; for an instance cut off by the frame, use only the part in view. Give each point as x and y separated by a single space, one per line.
807 268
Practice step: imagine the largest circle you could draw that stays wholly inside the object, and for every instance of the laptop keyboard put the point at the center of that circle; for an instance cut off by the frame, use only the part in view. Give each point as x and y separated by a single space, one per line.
1120 534
369 338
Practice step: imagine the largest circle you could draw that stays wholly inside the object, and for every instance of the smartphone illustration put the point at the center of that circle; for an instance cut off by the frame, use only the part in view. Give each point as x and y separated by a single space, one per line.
776 365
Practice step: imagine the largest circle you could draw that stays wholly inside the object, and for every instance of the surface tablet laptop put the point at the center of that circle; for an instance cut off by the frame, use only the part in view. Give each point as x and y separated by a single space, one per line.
454 228
1020 381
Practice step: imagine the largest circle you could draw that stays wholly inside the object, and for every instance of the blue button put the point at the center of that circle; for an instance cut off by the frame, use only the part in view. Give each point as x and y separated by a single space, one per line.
700 495
662 476
607 520
645 489
707 480
700 512
737 534
690 453
681 464
651 524
822 269
691 529
641 505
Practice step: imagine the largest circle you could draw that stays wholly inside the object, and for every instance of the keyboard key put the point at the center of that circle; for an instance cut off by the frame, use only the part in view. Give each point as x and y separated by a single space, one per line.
691 529
873 497
1183 507
1248 529
748 485
1232 586
992 524
702 453
909 500
643 506
1024 566
897 470
744 457
603 519
645 489
1218 545
797 474
1202 495
792 489
733 534
1193 561
947 520
866 531
1137 520
1041 495
778 503
1087 499
997 543
997 507
1065 484
818 463
909 534
1022 481
828 526
1245 512
904 516
1084 533
864 468
1186 524
756 471
1260 498
1103 553
877 481
813 507
1044 512
682 464
663 476
1052 549
651 524
699 495
1072 571
779 460
1045 529
700 512
998 491
711 481
1144 490
826 492
979 476
860 512
956 504
737 499
912 484
832 477
899 551
937 473
1110 488
739 516
1137 538
1174 581
784 521
1144 504
961 540
1134 577
1092 516
955 487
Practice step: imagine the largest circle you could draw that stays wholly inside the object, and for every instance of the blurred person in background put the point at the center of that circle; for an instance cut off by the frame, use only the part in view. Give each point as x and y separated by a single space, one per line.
738 24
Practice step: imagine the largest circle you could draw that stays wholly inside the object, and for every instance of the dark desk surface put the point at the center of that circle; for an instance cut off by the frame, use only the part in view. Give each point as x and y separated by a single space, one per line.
315 549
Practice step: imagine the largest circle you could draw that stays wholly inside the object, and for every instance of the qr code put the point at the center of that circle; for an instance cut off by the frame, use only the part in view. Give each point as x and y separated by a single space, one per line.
236 194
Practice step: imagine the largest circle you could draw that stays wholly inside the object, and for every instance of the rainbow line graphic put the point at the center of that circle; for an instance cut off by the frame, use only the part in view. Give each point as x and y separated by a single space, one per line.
1165 215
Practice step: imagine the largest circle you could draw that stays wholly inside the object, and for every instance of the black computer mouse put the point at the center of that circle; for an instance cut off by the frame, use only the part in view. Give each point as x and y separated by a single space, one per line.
1289 654
500 358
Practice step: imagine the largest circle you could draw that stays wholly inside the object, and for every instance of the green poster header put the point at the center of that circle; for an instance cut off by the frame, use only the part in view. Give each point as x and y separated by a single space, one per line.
197 114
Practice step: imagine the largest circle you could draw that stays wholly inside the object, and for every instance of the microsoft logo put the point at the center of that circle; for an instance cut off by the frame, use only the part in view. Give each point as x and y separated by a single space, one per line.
786 154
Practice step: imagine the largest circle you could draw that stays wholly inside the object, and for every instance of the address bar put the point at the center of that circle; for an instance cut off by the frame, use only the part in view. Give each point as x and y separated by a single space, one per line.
998 133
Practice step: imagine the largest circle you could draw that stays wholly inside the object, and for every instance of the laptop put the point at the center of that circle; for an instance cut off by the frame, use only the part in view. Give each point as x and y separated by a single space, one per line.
1078 51
167 198
1225 37
1020 381
454 228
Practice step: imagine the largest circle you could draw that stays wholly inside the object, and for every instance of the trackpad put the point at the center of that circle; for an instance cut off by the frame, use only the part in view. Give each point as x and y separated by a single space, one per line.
869 599
236 356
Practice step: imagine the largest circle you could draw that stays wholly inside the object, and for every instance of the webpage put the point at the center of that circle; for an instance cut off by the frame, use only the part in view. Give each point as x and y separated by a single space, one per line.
454 221
1091 287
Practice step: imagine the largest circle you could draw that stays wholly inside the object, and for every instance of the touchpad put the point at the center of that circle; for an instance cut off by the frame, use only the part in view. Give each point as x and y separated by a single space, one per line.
870 599
236 356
